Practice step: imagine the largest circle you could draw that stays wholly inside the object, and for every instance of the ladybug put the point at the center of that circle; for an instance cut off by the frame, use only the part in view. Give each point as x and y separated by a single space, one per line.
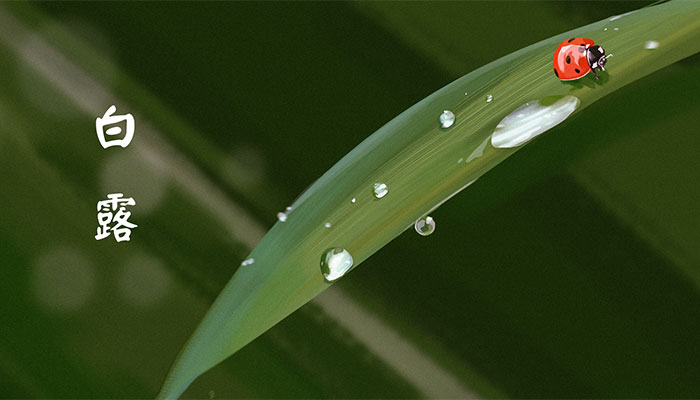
576 57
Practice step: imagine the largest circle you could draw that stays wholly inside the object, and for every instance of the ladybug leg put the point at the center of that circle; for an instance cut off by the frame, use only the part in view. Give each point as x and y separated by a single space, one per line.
594 74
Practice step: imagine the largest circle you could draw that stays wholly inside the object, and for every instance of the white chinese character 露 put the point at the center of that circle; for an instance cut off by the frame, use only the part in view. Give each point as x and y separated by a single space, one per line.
110 119
121 227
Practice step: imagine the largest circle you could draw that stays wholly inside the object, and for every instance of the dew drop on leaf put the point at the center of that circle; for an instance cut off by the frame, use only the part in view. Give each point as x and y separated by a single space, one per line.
380 190
651 45
335 262
532 119
425 226
447 119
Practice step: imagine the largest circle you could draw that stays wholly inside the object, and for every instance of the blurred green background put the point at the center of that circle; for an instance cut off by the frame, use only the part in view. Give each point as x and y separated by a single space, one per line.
570 270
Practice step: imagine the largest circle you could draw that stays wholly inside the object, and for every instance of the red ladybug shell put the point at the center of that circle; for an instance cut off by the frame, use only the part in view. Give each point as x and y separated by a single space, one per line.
570 60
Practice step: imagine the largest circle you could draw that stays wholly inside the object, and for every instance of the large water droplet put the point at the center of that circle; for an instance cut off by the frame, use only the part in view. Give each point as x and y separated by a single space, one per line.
651 45
447 119
532 119
425 226
327 225
335 262
489 98
247 261
281 216
380 190
353 200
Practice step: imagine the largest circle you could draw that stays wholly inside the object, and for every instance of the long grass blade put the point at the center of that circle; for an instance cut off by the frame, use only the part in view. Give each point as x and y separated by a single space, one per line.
422 165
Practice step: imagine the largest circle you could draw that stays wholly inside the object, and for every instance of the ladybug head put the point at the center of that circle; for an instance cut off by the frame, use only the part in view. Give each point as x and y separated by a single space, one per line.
596 57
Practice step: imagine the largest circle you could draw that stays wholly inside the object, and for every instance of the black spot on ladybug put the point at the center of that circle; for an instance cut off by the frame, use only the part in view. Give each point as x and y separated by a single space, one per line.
568 59
581 49
556 73
578 71
570 40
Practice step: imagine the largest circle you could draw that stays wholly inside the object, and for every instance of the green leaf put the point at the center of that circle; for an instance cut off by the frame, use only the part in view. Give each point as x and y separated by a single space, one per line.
420 164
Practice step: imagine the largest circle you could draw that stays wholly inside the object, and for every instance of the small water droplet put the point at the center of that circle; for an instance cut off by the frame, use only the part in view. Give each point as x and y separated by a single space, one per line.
489 98
281 216
335 262
447 119
380 190
651 45
514 130
479 151
460 160
327 225
353 200
247 261
605 29
425 226
465 93
616 29
288 208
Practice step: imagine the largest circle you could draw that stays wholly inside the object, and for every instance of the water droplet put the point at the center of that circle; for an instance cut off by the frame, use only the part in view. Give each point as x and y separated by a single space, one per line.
447 119
281 216
327 225
353 200
605 29
489 98
460 160
651 45
479 151
616 29
514 130
335 262
247 261
288 208
465 93
380 190
425 226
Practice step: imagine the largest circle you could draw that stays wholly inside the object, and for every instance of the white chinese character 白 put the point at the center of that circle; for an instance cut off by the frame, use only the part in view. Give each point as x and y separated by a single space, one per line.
115 130
121 227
